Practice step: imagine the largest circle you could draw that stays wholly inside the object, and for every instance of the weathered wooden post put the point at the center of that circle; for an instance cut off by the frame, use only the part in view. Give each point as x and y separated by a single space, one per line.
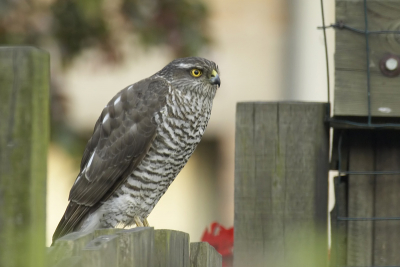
281 184
24 135
101 252
203 254
136 247
171 248
366 151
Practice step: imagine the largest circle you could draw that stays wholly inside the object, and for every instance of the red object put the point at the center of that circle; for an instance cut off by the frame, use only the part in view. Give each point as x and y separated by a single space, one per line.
222 240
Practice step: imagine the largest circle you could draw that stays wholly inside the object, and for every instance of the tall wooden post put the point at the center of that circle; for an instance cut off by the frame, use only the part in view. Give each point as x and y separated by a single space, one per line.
24 134
281 184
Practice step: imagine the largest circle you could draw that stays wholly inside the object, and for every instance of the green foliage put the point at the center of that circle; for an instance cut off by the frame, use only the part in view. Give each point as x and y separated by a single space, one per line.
75 25
177 23
78 25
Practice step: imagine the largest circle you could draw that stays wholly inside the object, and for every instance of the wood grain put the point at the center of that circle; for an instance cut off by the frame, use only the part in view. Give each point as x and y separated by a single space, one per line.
281 172
339 228
171 248
203 254
101 252
24 136
369 243
106 231
350 58
68 246
360 198
387 187
136 247
74 261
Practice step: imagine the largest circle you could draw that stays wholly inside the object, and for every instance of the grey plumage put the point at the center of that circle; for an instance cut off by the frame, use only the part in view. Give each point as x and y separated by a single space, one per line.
141 141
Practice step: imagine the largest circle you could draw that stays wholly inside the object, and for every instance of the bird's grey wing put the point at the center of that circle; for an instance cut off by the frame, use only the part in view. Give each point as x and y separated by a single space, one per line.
121 138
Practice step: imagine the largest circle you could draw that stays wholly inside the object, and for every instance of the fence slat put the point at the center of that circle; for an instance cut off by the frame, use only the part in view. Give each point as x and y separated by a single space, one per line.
361 199
136 247
74 261
106 231
24 134
281 188
68 246
387 187
339 228
101 252
203 254
171 248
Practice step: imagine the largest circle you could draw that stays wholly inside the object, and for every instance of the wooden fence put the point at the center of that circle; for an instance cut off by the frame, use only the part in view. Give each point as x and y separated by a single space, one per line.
136 247
281 171
366 143
281 184
366 217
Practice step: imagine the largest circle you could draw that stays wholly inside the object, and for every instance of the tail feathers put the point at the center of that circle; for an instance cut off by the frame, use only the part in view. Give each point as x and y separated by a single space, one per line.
70 221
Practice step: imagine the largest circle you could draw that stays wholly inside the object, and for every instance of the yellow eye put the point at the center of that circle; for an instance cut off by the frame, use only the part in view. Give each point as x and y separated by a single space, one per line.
196 72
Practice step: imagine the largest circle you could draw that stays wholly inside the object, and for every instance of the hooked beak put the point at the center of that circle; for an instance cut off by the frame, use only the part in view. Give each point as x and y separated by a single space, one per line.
215 78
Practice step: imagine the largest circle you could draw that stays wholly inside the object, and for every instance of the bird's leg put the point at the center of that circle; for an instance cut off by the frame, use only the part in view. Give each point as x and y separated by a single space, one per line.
138 221
145 222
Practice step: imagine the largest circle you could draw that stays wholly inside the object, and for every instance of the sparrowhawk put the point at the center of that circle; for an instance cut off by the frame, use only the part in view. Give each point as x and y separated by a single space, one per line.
141 141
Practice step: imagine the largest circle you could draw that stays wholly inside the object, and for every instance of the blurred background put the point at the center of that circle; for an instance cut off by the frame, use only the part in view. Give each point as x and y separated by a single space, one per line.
267 50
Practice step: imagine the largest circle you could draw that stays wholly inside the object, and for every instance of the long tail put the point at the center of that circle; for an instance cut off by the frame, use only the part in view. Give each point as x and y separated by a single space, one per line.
71 220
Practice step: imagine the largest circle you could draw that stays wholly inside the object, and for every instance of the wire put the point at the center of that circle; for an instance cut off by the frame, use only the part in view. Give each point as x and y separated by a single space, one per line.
326 51
368 218
341 25
364 125
368 69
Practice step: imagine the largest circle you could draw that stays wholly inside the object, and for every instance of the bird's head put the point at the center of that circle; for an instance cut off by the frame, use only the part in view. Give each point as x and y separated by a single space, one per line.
193 74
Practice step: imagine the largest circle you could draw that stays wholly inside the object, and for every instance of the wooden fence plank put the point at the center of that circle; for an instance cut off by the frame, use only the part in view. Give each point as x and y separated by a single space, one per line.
339 228
387 187
24 135
171 248
106 231
249 247
281 174
101 252
74 261
361 198
68 246
136 247
203 254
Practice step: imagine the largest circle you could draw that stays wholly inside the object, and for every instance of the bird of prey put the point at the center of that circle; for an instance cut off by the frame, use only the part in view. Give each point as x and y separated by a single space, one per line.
141 141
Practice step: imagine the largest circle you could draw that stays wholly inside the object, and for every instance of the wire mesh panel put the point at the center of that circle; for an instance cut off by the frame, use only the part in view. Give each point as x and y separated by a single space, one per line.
366 216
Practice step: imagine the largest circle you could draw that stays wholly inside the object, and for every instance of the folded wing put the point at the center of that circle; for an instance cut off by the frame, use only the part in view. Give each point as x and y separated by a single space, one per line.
121 138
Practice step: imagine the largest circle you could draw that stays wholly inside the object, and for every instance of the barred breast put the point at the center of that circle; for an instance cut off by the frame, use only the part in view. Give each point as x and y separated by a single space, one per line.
181 125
